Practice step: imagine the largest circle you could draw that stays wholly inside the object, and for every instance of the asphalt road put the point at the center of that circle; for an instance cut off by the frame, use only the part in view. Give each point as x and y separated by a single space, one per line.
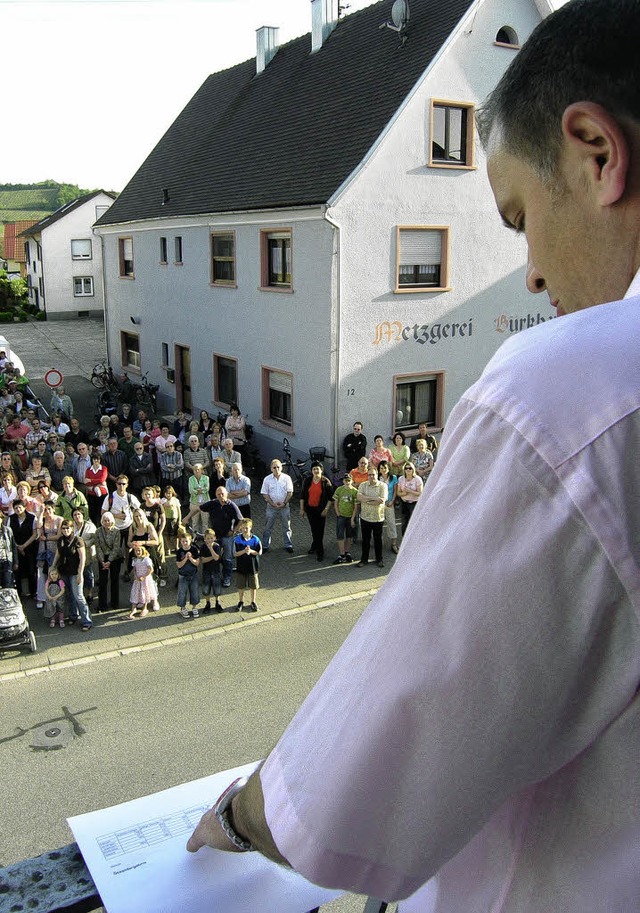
151 720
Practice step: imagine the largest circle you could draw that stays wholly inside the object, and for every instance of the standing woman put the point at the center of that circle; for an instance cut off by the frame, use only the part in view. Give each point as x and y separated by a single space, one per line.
422 459
400 453
205 425
8 493
48 535
236 428
152 507
379 452
142 532
391 481
108 543
317 493
69 562
409 490
96 481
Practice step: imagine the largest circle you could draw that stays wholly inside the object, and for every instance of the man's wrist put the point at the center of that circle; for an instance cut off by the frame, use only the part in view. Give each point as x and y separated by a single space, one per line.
223 810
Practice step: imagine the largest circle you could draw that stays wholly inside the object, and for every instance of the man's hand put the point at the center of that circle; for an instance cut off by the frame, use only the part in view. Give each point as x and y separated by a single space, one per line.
209 833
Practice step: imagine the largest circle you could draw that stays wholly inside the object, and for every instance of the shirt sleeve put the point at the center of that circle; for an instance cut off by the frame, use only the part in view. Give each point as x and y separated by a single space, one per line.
448 699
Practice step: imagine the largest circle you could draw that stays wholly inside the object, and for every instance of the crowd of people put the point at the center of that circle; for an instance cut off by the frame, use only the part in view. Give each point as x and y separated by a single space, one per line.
85 509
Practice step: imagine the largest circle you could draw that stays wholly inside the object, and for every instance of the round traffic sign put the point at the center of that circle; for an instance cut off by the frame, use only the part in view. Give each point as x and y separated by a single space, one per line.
53 378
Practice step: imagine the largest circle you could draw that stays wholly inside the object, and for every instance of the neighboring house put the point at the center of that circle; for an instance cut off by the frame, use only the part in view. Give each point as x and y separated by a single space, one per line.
13 248
315 235
64 259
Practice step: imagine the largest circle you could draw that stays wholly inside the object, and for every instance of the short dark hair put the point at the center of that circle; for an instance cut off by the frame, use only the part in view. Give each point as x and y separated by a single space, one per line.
585 51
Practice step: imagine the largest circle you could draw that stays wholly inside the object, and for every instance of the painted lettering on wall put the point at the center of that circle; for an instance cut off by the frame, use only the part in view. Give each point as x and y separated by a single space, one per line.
395 331
504 324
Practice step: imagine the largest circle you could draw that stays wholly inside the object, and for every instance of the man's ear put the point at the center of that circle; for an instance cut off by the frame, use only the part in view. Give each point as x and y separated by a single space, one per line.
597 138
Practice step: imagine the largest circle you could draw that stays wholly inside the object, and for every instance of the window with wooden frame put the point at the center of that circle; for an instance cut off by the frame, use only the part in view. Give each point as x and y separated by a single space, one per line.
223 258
277 398
422 258
125 258
452 132
418 398
130 351
225 380
275 258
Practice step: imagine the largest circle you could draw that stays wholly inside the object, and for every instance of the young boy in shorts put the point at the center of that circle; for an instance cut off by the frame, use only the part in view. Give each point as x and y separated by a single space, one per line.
247 549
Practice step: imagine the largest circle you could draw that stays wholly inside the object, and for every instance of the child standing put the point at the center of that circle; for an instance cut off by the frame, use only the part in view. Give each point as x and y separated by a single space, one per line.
247 549
187 562
173 516
211 561
143 588
54 589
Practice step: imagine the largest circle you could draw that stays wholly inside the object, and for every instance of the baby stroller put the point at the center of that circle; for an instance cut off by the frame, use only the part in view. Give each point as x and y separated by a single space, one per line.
14 627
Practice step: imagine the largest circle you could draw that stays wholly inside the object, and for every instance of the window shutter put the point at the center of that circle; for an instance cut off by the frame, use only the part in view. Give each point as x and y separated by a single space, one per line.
420 246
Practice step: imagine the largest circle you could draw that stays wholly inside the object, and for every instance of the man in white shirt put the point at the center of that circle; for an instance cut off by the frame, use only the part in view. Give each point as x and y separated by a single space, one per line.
277 490
478 743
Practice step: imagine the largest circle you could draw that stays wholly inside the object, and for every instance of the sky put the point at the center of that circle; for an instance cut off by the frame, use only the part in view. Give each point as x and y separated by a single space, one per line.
95 83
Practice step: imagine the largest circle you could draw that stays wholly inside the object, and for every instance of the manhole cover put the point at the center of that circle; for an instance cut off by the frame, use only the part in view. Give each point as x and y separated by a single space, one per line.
50 738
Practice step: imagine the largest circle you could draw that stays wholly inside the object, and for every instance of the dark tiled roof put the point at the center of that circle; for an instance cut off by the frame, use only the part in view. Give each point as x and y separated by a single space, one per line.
293 134
64 210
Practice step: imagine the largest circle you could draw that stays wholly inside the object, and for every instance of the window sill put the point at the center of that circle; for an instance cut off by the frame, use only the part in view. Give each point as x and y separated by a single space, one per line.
270 423
178 262
503 44
451 166
421 291
274 288
223 285
130 278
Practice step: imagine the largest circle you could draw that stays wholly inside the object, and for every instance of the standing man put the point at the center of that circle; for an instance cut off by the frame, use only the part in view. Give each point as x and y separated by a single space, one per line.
239 490
116 462
354 446
488 759
80 465
224 519
277 490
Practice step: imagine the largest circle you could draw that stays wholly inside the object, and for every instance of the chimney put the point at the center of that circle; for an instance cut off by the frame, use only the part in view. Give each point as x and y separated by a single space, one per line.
324 18
267 43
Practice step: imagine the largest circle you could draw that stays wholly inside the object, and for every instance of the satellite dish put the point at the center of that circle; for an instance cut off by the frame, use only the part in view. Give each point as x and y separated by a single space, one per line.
399 18
400 14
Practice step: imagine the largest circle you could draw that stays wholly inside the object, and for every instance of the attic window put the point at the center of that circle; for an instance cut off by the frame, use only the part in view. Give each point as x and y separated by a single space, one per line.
508 37
451 134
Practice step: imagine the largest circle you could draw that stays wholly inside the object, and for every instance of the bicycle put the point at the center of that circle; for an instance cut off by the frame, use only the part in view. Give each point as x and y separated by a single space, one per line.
102 377
294 468
147 394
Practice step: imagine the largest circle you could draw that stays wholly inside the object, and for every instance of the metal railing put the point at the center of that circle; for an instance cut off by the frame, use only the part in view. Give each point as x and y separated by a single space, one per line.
59 882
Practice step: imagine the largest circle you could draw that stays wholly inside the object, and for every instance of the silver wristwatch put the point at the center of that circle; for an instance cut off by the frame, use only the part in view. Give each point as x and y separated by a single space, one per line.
221 811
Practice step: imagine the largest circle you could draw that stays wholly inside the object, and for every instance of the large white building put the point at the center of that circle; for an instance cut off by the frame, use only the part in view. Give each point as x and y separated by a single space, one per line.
64 259
315 236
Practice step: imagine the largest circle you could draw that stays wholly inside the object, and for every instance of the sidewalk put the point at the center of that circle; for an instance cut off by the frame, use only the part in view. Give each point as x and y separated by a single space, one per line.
289 583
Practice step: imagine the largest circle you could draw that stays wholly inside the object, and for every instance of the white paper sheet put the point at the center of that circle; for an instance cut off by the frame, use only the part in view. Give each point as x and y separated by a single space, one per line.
137 858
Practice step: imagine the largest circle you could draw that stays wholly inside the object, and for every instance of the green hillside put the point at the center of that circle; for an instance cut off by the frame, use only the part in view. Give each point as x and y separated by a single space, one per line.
38 199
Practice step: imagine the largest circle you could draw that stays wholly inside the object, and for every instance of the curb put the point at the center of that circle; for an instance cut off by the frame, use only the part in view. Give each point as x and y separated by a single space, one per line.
219 631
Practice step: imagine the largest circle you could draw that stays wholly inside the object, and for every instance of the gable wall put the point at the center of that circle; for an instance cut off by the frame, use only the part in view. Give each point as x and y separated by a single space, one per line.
486 262
59 268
